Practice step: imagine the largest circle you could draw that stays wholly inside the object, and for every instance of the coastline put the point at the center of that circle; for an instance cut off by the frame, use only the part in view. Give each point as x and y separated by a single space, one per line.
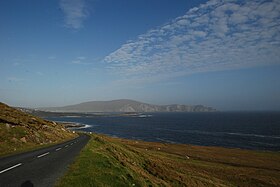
73 125
79 128
252 131
149 163
126 162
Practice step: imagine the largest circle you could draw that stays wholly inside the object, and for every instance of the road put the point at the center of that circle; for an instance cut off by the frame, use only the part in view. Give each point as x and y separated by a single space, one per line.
40 167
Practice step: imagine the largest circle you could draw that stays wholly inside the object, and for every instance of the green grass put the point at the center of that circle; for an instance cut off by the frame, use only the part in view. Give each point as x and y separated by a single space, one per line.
96 167
109 161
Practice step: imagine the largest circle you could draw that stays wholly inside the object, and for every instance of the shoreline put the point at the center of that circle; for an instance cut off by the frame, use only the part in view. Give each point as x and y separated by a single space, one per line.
161 164
171 143
79 127
72 125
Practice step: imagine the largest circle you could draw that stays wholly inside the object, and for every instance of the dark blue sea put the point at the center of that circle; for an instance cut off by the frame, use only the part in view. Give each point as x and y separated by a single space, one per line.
246 130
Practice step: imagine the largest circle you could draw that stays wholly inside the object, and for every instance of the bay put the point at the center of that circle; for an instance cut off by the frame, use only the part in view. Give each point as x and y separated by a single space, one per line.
246 130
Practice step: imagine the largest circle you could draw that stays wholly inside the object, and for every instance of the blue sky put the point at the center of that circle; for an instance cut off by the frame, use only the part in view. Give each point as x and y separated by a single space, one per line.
224 54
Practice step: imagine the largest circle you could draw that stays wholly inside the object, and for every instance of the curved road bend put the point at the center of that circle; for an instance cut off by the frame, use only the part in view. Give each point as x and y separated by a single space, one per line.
40 167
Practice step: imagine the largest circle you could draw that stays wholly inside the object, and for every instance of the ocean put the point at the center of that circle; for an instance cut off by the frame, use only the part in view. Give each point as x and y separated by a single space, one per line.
245 130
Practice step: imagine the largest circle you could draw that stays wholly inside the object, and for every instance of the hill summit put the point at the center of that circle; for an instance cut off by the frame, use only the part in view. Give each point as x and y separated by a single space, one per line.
125 105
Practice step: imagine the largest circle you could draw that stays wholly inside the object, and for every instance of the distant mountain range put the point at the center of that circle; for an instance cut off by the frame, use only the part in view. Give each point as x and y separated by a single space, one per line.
125 105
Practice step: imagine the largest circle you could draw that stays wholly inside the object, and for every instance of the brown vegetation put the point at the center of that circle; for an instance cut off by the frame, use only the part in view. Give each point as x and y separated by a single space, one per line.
139 163
20 131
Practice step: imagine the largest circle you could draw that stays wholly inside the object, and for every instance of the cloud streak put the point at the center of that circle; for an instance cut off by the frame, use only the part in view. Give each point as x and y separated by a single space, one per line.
214 36
75 12
80 60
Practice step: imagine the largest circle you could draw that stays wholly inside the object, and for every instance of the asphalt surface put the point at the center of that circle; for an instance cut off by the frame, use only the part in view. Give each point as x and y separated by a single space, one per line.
40 168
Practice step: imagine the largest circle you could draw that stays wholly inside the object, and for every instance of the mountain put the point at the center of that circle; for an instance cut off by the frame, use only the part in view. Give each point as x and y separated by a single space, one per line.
125 105
21 131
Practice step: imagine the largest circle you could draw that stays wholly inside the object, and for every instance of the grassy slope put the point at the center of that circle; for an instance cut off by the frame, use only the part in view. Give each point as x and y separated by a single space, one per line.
109 161
21 132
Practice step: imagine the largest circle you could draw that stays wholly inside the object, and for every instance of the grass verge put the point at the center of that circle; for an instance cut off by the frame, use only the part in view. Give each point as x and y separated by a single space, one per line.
107 161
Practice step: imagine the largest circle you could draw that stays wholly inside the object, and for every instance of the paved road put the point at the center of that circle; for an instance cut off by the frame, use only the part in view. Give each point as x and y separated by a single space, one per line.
41 167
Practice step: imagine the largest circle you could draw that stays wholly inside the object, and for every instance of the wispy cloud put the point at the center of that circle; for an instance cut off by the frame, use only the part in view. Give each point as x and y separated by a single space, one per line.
80 60
75 12
217 35
81 57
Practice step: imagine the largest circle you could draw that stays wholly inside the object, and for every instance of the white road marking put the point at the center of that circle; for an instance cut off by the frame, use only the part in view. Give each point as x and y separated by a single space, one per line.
10 168
66 145
71 143
43 155
58 149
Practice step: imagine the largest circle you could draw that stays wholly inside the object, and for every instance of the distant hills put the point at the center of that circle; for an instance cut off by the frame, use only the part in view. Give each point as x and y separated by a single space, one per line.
125 105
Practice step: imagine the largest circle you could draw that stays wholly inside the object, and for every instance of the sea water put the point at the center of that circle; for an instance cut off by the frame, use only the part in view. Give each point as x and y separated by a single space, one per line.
246 130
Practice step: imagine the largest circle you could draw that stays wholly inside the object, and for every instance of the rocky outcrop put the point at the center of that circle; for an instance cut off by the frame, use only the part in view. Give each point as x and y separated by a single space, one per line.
18 126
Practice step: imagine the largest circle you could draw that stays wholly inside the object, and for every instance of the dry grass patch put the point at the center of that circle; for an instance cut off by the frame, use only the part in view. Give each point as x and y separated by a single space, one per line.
107 161
20 131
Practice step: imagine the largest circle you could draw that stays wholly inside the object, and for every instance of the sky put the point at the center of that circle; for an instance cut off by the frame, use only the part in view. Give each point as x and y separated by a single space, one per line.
223 54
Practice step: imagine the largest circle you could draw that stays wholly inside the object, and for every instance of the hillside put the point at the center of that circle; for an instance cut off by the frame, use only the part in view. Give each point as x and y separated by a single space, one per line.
125 105
20 131
107 161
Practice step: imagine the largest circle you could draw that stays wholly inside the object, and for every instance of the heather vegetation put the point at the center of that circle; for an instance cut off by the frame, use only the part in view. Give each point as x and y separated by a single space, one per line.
20 131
